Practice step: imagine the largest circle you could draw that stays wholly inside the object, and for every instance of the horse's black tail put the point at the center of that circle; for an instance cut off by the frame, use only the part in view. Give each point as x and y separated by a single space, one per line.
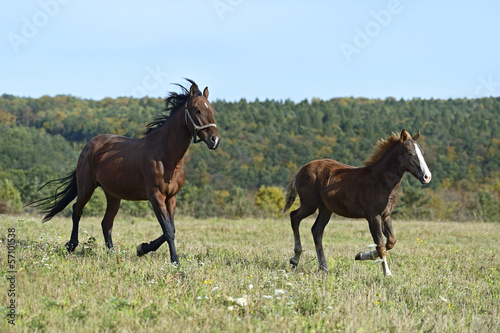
55 204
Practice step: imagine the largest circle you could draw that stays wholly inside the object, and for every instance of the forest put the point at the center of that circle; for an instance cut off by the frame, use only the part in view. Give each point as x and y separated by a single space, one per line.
264 143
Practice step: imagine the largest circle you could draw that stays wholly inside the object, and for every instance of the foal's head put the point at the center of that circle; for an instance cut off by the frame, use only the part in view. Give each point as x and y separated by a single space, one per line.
412 157
200 117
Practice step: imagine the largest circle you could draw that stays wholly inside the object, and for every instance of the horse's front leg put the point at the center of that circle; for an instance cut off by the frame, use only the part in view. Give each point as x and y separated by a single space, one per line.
171 203
167 226
380 251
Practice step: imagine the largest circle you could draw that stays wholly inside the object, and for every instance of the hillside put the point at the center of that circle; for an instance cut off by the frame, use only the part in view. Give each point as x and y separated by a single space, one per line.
265 142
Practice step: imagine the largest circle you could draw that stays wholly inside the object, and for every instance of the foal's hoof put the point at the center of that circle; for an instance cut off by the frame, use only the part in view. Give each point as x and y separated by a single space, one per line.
140 251
358 256
71 246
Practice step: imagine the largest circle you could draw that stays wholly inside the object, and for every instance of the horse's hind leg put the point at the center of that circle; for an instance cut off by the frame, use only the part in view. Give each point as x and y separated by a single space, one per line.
84 194
113 204
296 217
317 230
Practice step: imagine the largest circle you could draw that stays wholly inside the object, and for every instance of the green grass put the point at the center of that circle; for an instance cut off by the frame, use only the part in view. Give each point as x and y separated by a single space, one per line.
234 276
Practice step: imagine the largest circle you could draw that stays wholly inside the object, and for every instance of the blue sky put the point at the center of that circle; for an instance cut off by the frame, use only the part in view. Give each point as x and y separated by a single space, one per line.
293 49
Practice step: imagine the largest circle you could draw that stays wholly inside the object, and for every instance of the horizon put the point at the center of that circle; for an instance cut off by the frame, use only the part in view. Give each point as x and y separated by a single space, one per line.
309 100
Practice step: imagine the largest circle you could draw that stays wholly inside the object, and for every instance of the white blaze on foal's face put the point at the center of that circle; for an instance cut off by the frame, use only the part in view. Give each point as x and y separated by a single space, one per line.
423 165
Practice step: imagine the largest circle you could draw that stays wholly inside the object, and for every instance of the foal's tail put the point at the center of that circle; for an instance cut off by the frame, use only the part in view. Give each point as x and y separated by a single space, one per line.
60 199
291 193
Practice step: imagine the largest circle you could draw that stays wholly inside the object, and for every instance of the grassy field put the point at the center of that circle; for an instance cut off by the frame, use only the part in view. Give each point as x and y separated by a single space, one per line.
234 276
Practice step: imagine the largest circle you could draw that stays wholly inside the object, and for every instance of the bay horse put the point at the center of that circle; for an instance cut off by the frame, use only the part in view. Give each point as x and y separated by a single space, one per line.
148 168
369 192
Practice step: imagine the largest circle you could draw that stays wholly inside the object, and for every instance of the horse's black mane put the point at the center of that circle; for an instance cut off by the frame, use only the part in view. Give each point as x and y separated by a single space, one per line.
173 103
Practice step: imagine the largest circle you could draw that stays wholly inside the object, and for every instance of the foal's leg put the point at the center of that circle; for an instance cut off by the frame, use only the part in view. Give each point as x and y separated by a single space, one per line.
389 233
113 204
378 238
296 217
317 230
167 226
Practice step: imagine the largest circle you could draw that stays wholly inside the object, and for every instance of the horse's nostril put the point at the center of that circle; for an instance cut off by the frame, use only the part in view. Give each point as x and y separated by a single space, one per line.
214 141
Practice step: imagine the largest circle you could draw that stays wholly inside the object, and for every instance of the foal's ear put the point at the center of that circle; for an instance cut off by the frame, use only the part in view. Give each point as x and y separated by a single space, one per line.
416 136
404 136
205 92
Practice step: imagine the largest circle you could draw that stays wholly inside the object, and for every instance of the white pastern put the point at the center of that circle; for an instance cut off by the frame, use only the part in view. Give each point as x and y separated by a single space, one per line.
423 165
387 272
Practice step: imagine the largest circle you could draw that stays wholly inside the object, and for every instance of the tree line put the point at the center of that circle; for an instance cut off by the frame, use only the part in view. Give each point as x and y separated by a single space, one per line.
263 144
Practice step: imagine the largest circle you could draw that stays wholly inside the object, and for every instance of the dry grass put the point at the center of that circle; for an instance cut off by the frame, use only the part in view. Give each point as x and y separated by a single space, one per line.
234 277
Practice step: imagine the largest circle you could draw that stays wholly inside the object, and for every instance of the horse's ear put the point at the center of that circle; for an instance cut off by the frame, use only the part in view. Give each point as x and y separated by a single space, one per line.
404 135
416 136
194 90
205 92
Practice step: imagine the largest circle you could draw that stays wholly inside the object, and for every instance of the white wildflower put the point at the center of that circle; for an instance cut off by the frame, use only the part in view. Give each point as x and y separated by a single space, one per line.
279 292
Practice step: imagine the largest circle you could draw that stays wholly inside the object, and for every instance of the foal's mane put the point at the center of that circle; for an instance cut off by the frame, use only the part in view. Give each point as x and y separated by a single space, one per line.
382 147
173 103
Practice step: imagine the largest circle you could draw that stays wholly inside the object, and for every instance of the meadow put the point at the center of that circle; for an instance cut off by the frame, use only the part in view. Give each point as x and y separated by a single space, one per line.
234 277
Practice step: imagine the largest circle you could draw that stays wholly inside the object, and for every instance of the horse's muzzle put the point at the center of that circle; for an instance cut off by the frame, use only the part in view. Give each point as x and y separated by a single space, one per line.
425 178
212 141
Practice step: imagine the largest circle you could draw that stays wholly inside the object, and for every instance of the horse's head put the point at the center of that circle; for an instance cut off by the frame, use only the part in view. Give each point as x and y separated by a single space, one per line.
200 118
412 157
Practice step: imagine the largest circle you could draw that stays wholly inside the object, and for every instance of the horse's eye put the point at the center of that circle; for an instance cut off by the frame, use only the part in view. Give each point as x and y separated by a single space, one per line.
198 112
410 154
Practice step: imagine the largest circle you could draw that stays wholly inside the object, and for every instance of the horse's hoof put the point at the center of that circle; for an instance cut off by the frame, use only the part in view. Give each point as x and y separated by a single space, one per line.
358 256
293 263
324 269
140 251
71 246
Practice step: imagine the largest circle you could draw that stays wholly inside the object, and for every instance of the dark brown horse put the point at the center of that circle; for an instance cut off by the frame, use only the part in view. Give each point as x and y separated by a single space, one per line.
369 192
150 168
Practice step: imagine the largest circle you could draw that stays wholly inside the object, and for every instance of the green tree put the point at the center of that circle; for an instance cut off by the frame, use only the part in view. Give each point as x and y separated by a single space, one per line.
10 198
485 207
270 200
